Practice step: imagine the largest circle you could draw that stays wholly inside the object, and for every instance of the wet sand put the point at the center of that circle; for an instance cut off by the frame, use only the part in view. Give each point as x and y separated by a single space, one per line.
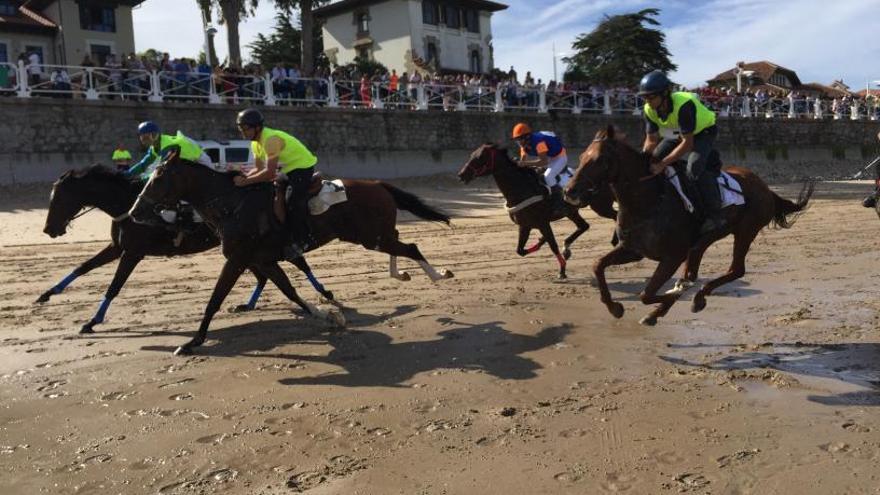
501 380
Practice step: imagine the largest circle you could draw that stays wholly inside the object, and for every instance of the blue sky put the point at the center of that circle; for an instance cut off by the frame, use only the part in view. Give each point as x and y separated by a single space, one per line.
820 40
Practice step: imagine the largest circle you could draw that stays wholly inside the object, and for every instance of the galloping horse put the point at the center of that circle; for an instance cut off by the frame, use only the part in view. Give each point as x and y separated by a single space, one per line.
654 223
529 202
107 190
251 236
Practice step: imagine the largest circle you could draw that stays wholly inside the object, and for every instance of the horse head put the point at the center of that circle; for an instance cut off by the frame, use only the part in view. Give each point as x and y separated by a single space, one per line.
608 160
78 189
482 162
168 184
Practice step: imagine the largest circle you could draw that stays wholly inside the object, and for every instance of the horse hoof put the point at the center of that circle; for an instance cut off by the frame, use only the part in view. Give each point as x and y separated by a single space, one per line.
328 295
336 318
87 328
562 276
183 350
616 310
241 308
43 298
698 305
649 321
404 277
566 254
448 274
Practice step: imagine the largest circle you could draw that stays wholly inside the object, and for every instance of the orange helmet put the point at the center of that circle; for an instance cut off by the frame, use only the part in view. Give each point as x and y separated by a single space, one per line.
520 130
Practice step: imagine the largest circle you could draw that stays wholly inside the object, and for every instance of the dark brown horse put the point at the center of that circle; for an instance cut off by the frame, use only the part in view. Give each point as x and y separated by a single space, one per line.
251 236
654 223
529 203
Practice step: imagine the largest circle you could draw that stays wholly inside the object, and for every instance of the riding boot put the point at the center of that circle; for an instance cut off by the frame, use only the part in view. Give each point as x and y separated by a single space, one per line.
870 201
711 199
301 236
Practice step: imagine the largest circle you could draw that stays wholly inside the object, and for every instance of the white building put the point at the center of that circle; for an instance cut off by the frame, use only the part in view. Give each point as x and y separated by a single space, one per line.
410 35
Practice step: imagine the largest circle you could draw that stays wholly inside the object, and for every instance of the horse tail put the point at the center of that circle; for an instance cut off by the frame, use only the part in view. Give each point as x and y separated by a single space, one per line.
411 203
786 212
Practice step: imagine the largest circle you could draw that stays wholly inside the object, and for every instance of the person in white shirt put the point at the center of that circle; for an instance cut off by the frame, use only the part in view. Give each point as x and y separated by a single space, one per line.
34 69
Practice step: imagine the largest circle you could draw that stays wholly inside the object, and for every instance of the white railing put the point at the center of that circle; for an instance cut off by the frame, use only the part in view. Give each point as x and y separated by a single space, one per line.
95 83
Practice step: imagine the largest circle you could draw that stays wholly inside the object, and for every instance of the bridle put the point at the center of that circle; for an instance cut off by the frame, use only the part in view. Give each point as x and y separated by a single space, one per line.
487 167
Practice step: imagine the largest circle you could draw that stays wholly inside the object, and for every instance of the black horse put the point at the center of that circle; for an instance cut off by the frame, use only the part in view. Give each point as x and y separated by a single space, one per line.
105 189
529 202
252 236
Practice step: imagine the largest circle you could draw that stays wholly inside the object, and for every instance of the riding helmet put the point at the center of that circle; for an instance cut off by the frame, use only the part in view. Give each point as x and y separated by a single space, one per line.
148 127
520 130
249 117
654 82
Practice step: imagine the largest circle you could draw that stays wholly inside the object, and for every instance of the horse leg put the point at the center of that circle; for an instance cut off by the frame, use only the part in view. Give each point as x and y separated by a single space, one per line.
126 265
664 271
523 238
279 278
742 241
582 226
392 268
617 256
394 247
547 233
228 276
104 256
255 295
692 264
301 263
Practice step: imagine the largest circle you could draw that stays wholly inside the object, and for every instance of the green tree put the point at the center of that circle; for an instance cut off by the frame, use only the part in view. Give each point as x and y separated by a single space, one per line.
620 51
283 45
309 44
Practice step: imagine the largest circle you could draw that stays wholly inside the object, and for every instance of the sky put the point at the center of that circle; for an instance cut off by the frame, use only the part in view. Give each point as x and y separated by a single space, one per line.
822 41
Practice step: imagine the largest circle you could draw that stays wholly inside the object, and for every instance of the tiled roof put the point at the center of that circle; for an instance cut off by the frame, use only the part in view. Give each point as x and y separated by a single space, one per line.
763 70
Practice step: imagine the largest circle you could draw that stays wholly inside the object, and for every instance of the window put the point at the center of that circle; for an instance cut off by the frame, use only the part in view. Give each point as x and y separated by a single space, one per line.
475 62
431 56
4 53
7 7
213 154
430 12
453 17
97 18
363 23
472 21
237 155
99 53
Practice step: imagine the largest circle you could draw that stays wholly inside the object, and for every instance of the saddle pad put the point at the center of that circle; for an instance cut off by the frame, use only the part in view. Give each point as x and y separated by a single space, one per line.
731 191
332 192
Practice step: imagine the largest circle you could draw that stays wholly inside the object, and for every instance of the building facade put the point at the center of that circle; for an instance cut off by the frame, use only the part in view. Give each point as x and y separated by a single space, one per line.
63 32
445 36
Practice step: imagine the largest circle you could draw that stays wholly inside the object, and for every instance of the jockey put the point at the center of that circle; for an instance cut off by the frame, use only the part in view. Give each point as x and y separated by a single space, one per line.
543 150
160 146
688 133
121 158
276 151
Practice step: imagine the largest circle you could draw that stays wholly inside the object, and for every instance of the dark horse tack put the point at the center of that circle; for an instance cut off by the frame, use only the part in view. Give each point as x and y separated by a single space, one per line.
244 216
529 203
653 223
105 189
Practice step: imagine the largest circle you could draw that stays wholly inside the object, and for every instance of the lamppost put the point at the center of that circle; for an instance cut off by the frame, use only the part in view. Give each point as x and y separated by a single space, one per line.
555 56
210 31
740 72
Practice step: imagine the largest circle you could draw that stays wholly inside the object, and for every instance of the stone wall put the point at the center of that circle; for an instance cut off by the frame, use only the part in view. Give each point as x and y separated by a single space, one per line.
42 137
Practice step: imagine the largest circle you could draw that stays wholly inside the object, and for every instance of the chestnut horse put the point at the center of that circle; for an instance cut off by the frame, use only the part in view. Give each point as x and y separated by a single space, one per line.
529 203
654 223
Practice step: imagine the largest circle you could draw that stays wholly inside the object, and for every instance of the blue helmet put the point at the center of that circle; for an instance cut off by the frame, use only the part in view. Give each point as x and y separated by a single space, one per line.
654 82
148 127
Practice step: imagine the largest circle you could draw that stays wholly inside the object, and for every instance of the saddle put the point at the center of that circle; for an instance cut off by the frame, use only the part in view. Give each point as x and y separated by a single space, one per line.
281 192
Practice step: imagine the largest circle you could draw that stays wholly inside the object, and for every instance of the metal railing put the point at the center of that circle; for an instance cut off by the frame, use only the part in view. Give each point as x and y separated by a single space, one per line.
93 83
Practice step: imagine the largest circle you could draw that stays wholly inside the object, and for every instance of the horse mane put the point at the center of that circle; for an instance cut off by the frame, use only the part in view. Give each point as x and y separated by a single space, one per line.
96 171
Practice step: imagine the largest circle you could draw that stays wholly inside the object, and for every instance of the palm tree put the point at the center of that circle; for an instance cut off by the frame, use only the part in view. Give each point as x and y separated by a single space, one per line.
207 8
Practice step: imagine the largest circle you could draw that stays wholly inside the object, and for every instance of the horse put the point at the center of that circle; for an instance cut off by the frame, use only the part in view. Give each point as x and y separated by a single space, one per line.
107 190
529 203
251 234
654 223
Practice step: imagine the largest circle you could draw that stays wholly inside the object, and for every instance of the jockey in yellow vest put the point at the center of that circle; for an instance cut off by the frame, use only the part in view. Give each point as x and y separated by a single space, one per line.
160 146
679 127
277 151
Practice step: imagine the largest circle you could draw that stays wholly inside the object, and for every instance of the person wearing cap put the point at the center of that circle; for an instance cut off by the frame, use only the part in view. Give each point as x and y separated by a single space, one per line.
277 151
679 127
159 146
542 150
121 158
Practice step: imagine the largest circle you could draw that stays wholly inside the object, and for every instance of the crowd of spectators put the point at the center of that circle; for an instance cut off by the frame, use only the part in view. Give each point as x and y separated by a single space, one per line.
184 79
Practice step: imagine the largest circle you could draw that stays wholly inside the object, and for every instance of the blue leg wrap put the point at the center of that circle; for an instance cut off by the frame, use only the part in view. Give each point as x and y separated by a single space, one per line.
255 295
317 285
102 310
64 283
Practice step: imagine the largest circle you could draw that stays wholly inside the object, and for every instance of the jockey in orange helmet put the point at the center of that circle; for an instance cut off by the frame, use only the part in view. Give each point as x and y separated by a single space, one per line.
543 150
